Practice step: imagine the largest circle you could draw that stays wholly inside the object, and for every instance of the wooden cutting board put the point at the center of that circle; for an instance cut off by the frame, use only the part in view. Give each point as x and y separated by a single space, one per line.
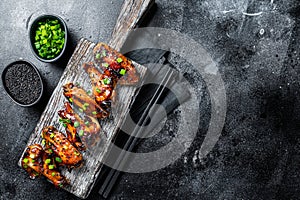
82 180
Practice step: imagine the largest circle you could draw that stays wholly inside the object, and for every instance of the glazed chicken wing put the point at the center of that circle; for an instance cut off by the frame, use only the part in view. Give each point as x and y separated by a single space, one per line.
62 147
103 84
87 129
32 160
78 96
50 170
121 67
35 161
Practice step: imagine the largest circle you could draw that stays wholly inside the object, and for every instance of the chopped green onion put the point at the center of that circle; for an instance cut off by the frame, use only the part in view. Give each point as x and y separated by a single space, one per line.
86 104
98 55
89 92
60 185
64 120
47 161
65 125
103 53
70 100
53 173
94 113
80 109
76 124
51 166
52 135
98 90
106 81
122 72
32 160
35 173
58 159
50 150
81 132
49 38
119 60
105 65
87 123
43 142
25 160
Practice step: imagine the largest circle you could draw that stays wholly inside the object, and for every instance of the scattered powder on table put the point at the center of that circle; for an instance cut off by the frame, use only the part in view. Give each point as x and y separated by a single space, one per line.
23 83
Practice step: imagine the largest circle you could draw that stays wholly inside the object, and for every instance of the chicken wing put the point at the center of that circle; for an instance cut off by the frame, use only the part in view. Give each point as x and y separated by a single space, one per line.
36 162
78 97
120 66
87 129
50 170
32 160
103 84
61 147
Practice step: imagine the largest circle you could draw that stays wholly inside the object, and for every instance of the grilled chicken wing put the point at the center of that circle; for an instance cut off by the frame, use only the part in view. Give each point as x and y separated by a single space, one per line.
78 96
121 67
32 160
62 147
51 172
103 84
36 162
68 118
88 129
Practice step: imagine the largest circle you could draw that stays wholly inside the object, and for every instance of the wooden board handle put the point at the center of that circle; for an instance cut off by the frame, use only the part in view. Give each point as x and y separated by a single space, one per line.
131 13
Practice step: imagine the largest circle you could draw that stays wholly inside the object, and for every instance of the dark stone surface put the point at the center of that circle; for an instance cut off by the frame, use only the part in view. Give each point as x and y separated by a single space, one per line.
257 155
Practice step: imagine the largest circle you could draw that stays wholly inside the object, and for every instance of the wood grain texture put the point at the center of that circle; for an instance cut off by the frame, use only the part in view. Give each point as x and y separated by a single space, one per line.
131 13
83 179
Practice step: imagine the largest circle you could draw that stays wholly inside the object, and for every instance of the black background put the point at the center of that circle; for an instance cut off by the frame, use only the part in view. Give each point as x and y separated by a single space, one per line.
257 155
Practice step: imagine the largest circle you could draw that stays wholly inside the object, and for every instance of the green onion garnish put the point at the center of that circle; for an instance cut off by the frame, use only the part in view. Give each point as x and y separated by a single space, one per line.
52 135
86 104
76 124
58 159
122 72
47 161
94 113
105 65
87 123
106 81
103 53
53 173
49 39
119 60
80 109
51 166
98 90
25 160
98 55
81 132
70 100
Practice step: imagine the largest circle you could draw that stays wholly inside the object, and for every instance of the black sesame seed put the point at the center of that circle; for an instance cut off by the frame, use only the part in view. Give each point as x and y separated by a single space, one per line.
23 83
